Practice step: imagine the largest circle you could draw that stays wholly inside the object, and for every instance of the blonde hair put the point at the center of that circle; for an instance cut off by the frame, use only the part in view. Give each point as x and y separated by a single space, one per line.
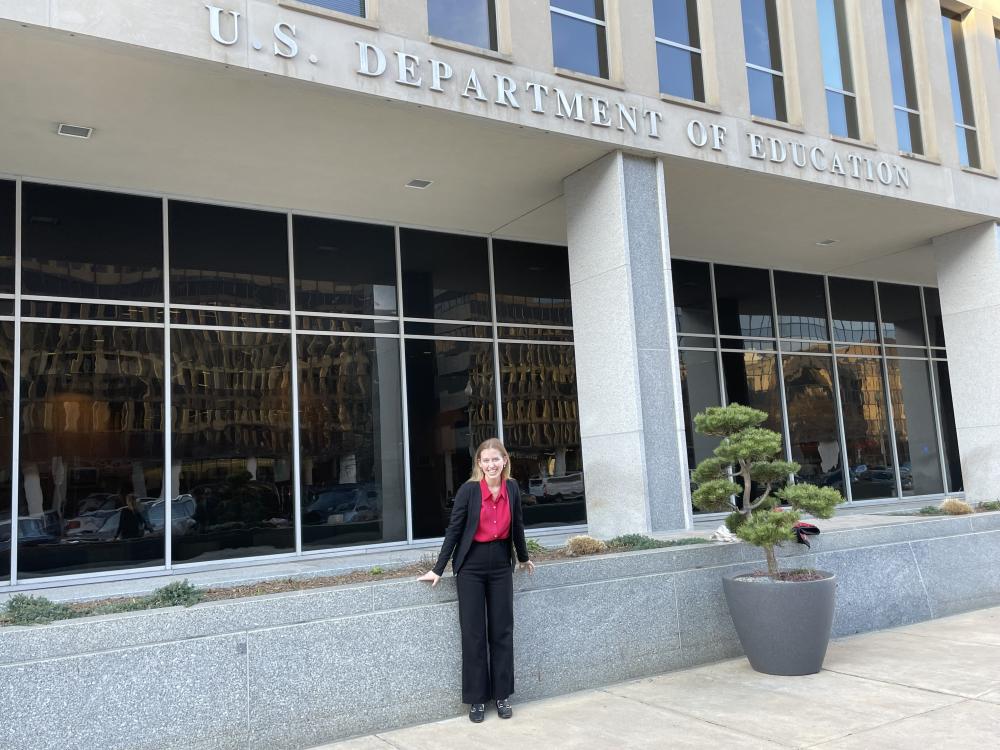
490 444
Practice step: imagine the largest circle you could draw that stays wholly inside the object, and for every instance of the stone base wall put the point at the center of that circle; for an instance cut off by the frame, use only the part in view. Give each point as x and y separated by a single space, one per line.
299 669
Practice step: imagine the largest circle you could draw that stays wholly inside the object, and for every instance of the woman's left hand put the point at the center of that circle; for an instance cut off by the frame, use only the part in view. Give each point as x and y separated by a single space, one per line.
528 566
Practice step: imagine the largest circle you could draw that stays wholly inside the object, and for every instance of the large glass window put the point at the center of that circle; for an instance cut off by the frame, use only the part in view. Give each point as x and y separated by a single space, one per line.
8 223
762 44
812 420
853 304
232 443
678 48
469 21
801 301
935 323
699 391
579 36
949 435
351 7
902 316
961 89
531 283
693 303
7 380
744 299
841 98
445 276
916 433
751 379
91 446
91 243
350 441
904 86
866 428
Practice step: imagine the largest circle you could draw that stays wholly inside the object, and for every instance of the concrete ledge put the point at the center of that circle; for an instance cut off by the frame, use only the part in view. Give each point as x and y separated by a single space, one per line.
298 669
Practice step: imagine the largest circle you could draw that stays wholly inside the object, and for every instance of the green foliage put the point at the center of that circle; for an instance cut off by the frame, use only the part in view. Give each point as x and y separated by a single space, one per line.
178 594
376 571
819 502
714 494
721 421
710 469
752 444
763 472
535 547
931 510
768 528
988 505
631 542
34 610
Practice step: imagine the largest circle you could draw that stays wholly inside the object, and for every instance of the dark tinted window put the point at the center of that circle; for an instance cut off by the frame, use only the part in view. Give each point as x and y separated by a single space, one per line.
7 227
866 428
7 380
916 433
946 411
751 379
935 324
91 243
744 297
231 257
853 305
699 390
445 276
902 316
801 302
344 267
692 296
812 420
532 283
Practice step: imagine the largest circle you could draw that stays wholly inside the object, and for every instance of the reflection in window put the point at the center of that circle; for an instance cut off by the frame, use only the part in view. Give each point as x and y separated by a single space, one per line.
8 221
230 257
531 283
678 48
579 36
801 300
451 408
853 305
935 323
762 44
751 379
232 443
949 435
7 377
692 296
91 448
916 435
744 297
468 21
902 316
699 390
350 441
841 100
961 89
91 243
812 420
542 431
869 455
904 85
344 267
445 276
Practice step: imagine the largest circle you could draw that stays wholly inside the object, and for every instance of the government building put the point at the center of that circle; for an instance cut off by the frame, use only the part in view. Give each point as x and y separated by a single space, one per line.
271 269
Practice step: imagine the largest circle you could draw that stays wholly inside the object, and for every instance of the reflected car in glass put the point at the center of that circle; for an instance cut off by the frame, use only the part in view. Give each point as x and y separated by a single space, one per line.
343 503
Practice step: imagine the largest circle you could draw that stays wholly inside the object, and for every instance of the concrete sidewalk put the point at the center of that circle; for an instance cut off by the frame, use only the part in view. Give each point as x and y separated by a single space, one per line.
931 686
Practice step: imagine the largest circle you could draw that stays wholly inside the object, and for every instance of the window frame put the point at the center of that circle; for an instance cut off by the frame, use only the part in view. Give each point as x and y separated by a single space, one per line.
955 62
368 19
769 71
496 11
699 51
910 52
844 47
598 22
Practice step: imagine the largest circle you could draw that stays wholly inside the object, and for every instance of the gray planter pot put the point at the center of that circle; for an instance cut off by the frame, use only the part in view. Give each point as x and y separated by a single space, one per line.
784 627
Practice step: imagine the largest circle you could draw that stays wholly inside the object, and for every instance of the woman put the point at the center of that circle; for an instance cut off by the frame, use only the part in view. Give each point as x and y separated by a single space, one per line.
485 524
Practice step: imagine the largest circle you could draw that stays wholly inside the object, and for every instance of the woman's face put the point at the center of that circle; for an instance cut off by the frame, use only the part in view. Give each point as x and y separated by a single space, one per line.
491 463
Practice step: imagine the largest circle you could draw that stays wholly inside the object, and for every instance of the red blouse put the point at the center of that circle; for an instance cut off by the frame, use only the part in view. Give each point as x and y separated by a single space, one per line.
494 515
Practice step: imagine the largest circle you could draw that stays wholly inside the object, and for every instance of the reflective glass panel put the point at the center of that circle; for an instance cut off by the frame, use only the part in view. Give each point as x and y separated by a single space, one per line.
445 276
909 133
699 390
751 379
760 33
812 420
902 316
935 323
767 94
350 441
352 7
866 428
230 257
8 220
232 443
91 448
904 87
91 243
744 297
843 113
853 305
579 45
589 8
344 267
968 147
953 460
961 91
531 283
692 296
916 434
677 21
7 377
680 72
542 431
801 299
834 47
451 408
469 21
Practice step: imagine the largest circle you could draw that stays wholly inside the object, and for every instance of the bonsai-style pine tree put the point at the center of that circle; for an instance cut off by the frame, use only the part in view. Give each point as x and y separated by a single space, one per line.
749 452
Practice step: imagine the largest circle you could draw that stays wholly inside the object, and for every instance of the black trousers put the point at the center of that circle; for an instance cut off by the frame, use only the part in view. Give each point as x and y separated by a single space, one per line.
486 616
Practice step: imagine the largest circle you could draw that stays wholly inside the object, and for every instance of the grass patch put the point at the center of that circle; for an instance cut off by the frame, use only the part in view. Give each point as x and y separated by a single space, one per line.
632 542
535 547
988 506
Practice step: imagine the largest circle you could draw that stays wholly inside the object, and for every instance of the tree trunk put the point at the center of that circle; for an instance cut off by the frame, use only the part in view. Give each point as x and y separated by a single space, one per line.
772 561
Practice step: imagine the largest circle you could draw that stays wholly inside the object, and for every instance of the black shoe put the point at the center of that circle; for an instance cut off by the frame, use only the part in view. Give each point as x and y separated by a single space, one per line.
503 708
477 712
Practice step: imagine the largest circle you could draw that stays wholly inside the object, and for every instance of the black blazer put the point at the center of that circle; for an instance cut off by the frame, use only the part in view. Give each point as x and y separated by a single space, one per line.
465 520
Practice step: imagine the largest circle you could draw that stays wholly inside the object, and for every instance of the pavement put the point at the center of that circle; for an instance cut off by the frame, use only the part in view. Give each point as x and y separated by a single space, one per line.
930 686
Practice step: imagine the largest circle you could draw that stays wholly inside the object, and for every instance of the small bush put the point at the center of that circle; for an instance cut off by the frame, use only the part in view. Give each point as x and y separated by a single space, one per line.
988 506
955 507
34 610
630 542
535 547
376 571
179 594
931 510
585 545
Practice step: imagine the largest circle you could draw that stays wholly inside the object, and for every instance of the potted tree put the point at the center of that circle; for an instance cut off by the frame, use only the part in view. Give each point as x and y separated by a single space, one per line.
783 617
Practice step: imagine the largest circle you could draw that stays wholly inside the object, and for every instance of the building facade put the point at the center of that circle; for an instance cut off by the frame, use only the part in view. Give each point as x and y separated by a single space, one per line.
271 269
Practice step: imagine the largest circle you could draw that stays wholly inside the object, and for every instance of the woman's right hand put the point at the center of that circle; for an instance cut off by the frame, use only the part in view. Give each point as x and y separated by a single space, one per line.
431 576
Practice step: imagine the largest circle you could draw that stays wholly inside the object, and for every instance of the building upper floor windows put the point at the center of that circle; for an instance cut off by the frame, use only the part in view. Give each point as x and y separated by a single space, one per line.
838 78
678 48
472 22
765 76
580 36
961 90
904 85
350 7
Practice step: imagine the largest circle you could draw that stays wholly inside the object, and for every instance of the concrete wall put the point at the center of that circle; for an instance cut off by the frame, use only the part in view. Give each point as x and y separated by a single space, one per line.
295 670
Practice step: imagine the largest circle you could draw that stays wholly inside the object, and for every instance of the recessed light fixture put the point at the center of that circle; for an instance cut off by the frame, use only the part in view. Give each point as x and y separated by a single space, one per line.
419 184
74 131
827 243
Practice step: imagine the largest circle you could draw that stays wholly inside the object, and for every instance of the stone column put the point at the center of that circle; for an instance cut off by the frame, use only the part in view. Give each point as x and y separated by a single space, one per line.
626 360
968 263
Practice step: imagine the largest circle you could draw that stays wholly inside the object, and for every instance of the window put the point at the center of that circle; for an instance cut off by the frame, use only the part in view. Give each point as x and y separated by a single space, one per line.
678 48
350 7
468 21
961 91
579 36
904 86
841 98
763 54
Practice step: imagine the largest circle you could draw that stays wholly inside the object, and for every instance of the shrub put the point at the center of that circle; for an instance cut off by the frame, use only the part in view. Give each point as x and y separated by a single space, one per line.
632 542
988 506
930 510
955 507
535 547
585 545
376 571
178 594
34 610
